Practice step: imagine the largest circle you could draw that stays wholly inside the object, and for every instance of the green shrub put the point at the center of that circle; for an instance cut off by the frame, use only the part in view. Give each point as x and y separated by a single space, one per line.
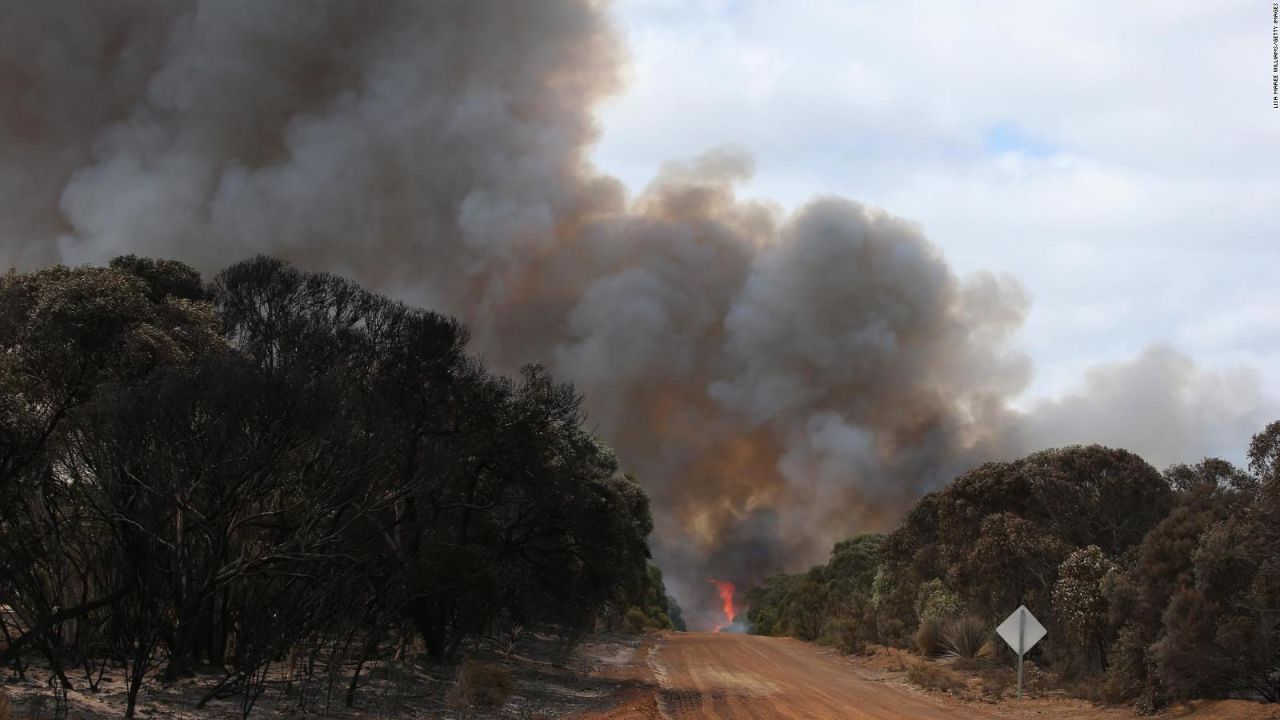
928 638
1080 607
935 600
481 686
634 622
892 601
846 635
1128 675
892 631
967 637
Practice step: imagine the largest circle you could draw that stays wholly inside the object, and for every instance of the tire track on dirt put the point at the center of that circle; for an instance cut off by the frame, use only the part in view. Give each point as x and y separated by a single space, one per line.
660 681
708 676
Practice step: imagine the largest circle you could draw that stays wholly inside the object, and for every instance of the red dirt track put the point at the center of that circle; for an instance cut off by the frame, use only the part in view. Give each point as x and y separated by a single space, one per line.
687 676
736 677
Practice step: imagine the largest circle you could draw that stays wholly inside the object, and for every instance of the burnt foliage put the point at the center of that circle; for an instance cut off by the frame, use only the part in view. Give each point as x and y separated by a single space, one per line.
281 465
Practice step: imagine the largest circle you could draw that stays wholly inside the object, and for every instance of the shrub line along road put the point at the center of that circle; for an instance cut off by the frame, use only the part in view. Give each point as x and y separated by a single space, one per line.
749 677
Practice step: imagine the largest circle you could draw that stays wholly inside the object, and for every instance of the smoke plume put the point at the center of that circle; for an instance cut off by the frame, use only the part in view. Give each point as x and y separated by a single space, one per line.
777 381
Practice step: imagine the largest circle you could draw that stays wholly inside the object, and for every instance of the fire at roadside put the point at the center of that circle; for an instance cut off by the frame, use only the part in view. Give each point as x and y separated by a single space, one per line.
726 590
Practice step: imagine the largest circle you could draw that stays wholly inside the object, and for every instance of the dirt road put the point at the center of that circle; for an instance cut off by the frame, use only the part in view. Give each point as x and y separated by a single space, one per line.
740 677
683 676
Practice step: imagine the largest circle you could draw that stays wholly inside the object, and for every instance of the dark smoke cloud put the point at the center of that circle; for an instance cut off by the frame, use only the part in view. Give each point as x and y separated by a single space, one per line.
777 381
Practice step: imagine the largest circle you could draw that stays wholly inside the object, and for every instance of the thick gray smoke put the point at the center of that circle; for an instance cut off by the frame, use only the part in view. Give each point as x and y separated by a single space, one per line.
1160 404
776 381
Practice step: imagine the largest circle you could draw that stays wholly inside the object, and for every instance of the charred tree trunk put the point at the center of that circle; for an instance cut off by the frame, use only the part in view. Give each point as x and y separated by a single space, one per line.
367 651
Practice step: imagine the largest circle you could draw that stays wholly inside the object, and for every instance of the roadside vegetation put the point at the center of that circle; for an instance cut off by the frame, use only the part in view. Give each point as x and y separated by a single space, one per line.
1155 587
280 467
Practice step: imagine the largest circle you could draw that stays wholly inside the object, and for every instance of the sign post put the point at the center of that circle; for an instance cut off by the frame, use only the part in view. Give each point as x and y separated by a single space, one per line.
1021 631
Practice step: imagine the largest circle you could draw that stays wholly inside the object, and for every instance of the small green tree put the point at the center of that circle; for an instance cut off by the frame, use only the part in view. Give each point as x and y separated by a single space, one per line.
1080 606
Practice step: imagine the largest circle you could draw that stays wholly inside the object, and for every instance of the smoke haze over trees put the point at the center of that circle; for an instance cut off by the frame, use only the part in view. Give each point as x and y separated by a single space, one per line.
775 380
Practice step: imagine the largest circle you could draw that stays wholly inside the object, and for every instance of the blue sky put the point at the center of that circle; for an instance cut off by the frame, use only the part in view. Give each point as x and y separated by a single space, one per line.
1007 137
1121 160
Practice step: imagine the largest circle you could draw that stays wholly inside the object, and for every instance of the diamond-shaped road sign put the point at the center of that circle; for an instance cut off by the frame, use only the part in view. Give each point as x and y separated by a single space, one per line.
1021 630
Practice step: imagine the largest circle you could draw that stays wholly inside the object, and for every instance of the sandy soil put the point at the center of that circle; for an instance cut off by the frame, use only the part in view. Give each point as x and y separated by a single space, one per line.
743 677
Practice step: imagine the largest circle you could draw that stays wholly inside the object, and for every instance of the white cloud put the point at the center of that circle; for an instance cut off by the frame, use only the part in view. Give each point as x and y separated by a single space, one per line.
1136 199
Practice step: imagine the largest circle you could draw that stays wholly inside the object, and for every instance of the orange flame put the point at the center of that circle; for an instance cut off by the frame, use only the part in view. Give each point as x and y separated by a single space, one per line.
726 590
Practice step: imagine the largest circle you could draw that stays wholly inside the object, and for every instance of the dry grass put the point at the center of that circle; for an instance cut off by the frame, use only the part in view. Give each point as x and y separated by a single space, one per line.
928 639
481 686
933 677
967 637
1086 688
994 688
996 682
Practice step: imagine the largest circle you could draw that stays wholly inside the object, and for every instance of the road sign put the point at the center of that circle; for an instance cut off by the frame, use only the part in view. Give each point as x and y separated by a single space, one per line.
1022 631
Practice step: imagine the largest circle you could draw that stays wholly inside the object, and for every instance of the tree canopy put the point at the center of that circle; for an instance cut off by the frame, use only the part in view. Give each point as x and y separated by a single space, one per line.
1158 586
219 473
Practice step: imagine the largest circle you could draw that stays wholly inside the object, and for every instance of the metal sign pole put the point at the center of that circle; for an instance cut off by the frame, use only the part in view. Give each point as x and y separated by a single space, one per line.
1021 631
1022 628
